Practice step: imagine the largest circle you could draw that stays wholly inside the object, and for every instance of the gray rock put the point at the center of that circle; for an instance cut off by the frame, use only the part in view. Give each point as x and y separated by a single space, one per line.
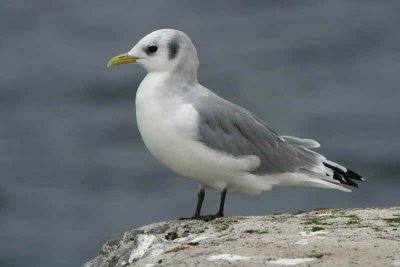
111 244
325 237
159 229
130 235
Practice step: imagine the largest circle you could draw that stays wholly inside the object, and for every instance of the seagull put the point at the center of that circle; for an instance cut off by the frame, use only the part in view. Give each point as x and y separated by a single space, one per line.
210 140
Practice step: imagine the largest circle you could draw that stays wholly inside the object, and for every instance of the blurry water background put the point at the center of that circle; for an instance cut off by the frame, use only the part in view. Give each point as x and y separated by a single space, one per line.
73 167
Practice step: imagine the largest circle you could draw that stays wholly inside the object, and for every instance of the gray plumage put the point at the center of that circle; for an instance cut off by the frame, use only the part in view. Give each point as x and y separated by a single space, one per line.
233 130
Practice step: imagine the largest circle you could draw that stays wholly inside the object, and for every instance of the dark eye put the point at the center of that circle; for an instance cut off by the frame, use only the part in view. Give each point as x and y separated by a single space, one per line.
152 48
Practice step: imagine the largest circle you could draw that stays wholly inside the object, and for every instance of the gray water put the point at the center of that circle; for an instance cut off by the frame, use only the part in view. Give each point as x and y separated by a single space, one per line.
73 168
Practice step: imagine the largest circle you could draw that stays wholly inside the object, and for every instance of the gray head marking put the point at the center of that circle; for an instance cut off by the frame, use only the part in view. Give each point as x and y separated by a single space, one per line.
173 47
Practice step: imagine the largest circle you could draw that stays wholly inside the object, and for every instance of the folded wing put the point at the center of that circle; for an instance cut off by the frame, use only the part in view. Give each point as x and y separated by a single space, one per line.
230 129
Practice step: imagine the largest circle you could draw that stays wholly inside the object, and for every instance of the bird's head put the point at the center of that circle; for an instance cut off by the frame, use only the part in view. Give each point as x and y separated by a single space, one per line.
165 50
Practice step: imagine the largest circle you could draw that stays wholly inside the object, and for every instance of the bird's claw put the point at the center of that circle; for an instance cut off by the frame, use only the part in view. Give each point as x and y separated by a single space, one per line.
205 218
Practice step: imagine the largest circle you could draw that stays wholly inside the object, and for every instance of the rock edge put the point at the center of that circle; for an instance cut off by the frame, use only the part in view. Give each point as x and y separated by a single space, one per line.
325 237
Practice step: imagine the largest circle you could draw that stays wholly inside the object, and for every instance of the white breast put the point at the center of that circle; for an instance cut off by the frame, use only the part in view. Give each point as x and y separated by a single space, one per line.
164 121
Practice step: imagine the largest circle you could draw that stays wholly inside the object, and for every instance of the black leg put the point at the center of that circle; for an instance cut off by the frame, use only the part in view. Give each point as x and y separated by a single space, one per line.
220 211
200 198
222 204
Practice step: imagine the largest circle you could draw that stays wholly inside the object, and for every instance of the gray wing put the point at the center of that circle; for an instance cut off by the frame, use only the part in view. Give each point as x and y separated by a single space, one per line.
228 128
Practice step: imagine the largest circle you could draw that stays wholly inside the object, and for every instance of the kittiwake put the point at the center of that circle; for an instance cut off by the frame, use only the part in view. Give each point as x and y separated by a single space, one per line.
210 140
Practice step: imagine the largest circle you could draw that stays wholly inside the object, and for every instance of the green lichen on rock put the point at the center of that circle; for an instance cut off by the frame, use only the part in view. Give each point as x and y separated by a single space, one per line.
223 224
257 231
320 220
317 228
376 228
353 219
196 226
278 217
393 221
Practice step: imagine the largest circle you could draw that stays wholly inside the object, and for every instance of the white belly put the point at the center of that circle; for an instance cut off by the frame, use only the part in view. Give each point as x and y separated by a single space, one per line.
169 129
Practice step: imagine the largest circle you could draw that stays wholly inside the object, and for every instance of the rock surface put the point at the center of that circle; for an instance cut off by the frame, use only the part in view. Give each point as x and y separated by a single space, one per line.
326 237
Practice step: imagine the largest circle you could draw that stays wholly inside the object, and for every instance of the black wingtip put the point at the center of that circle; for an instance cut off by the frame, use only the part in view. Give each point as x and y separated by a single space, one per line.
353 175
345 177
344 180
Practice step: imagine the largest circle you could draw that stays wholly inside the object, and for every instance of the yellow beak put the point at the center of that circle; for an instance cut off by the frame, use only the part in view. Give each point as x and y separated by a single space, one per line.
121 59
